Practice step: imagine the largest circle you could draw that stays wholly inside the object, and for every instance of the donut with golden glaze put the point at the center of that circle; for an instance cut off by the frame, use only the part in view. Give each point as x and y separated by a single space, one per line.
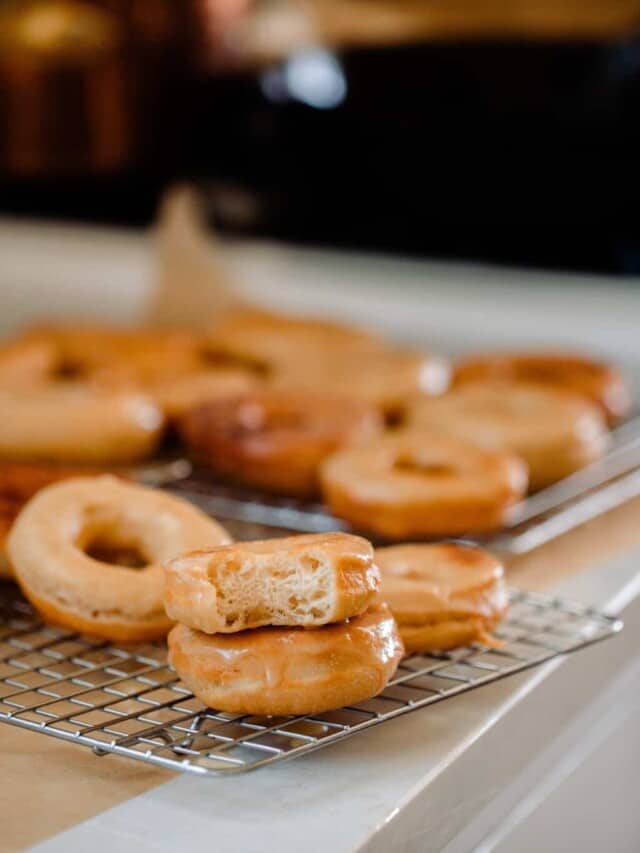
442 595
420 483
76 422
602 383
289 670
556 432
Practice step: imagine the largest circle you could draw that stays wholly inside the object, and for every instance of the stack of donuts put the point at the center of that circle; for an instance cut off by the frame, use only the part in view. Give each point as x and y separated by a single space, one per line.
397 442
282 626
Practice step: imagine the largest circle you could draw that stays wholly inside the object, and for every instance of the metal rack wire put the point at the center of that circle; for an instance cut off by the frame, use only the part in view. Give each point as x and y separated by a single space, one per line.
127 701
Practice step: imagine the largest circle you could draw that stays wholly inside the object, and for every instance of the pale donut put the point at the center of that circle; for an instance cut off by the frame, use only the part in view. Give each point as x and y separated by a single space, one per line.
599 382
289 670
442 595
419 483
276 440
48 547
555 432
74 422
307 580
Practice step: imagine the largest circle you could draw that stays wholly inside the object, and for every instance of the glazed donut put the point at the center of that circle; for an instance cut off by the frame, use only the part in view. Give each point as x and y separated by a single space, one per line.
74 422
443 595
275 440
137 355
19 481
75 547
601 383
418 483
384 379
289 670
555 432
318 356
275 340
306 580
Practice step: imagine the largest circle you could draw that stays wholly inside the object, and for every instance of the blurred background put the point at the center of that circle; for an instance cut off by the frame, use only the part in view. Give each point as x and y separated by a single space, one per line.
502 130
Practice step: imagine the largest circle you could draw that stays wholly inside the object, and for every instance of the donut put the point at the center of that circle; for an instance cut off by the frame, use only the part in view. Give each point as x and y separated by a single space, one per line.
88 554
556 432
289 670
275 340
384 379
134 354
442 595
275 440
320 356
19 481
601 383
420 483
76 422
307 580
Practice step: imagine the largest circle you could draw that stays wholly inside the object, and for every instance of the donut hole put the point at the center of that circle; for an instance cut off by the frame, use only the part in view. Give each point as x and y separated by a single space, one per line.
68 370
106 550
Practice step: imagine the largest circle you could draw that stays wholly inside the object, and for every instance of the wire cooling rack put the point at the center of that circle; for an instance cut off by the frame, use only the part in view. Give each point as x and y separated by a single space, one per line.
127 701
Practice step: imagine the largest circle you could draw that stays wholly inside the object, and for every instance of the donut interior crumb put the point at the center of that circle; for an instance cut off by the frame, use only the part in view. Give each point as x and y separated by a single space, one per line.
278 588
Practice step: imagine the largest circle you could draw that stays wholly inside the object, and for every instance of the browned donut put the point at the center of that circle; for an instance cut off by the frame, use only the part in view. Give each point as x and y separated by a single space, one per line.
289 670
601 383
275 440
418 483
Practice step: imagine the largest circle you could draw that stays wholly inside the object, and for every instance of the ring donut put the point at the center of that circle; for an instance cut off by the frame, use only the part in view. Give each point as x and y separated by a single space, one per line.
556 432
289 670
276 440
76 546
320 356
418 483
136 355
308 580
75 422
601 383
275 340
442 595
384 379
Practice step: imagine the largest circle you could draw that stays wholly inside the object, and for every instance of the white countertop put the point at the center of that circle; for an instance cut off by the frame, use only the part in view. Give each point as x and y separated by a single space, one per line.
420 782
